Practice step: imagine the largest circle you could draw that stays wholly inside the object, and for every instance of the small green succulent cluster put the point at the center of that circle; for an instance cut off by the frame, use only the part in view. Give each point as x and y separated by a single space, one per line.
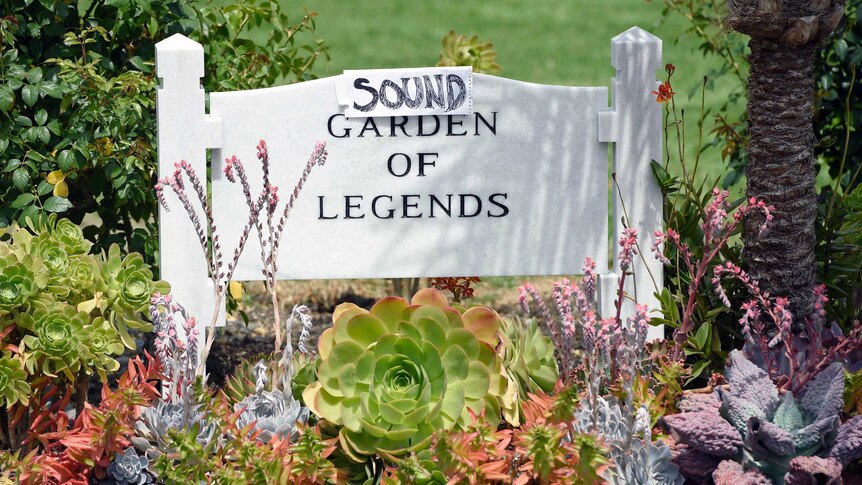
460 50
64 310
529 357
392 376
14 387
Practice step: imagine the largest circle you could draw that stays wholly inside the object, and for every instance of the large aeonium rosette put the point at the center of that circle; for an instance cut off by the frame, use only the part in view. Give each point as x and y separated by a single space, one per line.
125 285
394 375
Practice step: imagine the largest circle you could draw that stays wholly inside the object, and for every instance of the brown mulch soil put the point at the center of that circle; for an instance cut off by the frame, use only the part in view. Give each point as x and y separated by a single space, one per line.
238 341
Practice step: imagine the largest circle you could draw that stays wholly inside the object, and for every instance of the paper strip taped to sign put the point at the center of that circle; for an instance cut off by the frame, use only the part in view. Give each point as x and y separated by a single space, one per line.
406 92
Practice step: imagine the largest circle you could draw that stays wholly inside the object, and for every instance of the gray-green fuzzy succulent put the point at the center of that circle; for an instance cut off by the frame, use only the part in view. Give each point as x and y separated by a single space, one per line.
156 422
129 469
272 413
637 459
754 426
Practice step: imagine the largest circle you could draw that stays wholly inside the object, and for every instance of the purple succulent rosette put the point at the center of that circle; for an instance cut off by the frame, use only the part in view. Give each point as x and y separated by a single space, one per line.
756 432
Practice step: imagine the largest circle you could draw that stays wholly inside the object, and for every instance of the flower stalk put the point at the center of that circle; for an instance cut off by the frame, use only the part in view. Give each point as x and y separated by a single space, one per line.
269 235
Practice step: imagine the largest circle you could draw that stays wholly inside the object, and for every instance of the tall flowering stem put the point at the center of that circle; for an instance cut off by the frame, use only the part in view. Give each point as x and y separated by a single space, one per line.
718 226
303 314
178 356
269 234
806 353
577 321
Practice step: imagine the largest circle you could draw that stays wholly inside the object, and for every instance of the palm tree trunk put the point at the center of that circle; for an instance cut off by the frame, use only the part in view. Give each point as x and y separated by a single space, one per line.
785 35
781 171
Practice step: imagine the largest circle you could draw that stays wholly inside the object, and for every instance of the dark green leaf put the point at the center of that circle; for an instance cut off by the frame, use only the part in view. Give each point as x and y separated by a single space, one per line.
23 200
12 165
21 178
57 204
52 90
153 26
30 94
7 98
31 212
54 126
697 369
840 48
44 188
138 63
31 134
34 75
65 160
41 117
702 335
43 134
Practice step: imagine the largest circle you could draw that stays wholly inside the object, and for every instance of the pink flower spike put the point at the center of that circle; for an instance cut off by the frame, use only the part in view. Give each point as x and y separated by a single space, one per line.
160 196
228 169
319 154
628 243
589 281
178 177
657 250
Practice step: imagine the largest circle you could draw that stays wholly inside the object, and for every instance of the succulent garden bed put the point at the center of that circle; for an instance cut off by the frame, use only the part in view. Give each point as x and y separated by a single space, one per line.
106 378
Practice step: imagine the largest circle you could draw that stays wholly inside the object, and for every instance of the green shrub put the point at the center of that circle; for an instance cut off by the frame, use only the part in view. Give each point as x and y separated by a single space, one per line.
77 100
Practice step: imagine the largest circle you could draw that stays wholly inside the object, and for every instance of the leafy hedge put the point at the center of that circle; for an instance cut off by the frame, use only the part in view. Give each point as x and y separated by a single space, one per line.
77 100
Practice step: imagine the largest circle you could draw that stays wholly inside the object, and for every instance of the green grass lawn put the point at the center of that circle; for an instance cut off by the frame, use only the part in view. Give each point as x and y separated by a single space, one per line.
544 41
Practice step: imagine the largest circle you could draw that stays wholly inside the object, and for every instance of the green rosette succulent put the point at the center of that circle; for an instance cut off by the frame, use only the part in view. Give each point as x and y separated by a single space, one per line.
529 357
136 284
392 376
126 285
128 281
18 284
70 236
59 341
14 387
460 50
104 342
82 277
52 253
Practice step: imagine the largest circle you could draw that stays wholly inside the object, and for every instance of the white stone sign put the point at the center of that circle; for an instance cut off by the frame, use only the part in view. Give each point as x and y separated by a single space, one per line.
519 186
